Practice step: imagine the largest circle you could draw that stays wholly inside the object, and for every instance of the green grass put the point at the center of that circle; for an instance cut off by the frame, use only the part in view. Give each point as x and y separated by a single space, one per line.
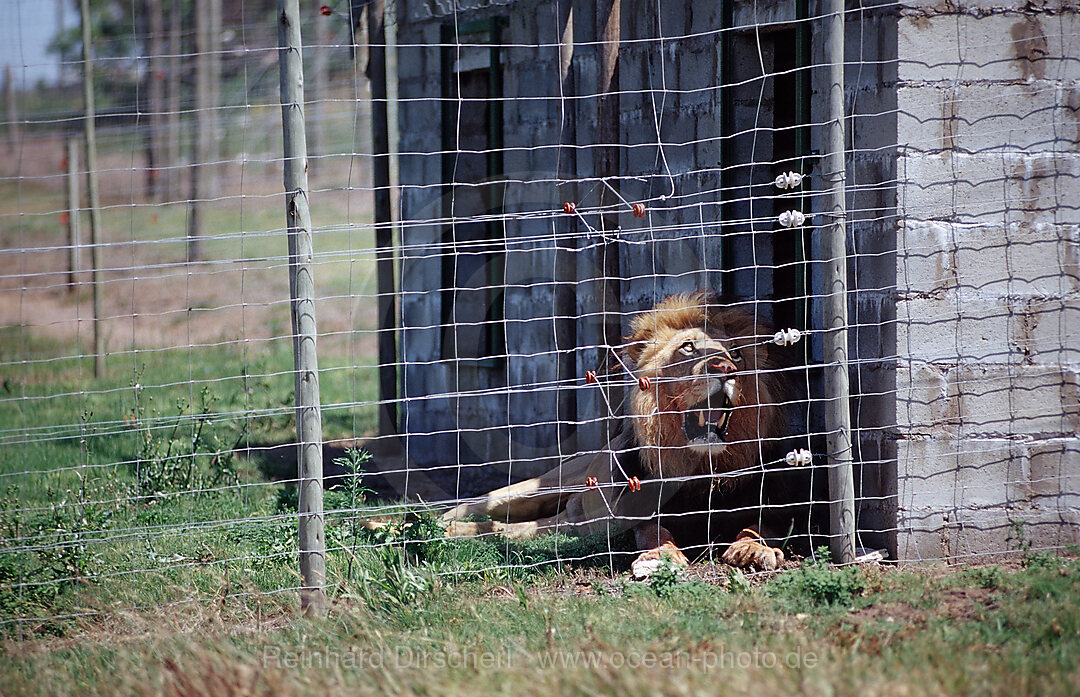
243 229
127 489
113 582
169 591
114 492
907 632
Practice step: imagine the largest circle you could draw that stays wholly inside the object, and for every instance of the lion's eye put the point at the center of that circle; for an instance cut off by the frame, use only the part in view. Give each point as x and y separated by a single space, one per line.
688 348
736 356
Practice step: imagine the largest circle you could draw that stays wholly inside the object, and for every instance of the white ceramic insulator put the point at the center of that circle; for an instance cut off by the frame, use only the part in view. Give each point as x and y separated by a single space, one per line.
791 219
788 180
787 337
799 457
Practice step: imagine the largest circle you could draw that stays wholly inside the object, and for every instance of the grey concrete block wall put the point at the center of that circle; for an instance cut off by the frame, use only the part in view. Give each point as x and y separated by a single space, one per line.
987 297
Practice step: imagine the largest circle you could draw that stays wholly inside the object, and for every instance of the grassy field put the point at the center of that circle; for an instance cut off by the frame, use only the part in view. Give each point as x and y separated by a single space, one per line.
815 631
103 478
137 557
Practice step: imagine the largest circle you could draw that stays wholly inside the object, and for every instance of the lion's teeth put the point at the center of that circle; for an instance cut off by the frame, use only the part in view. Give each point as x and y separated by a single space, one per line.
701 419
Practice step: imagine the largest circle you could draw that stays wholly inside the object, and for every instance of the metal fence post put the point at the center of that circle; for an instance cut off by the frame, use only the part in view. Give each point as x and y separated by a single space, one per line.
302 289
834 262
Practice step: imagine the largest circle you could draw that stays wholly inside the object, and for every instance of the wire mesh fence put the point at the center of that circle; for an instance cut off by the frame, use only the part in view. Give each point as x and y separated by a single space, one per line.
577 299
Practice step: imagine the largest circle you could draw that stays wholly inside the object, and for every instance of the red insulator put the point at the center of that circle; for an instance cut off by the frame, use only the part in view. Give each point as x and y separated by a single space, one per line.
325 11
590 377
634 483
591 482
639 210
644 383
569 208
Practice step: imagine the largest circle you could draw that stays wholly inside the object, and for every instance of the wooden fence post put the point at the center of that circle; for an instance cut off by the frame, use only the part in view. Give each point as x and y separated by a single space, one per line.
155 97
12 110
607 167
74 251
203 125
173 88
93 203
566 314
835 305
301 284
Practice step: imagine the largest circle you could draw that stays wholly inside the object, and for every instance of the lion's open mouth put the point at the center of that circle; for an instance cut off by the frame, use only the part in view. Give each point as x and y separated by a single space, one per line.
706 423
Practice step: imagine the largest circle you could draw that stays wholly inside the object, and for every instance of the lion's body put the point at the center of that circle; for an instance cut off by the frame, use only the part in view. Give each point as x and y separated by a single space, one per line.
709 407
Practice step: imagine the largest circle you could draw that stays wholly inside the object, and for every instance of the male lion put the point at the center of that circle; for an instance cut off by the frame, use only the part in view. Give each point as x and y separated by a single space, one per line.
708 406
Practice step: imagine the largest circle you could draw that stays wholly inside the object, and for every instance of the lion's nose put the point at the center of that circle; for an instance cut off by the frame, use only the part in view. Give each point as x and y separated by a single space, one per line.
719 366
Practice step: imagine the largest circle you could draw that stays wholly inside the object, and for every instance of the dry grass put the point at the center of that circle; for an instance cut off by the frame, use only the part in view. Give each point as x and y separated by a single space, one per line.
908 633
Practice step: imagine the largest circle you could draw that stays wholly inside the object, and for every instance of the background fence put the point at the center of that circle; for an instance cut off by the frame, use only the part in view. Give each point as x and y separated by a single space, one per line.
149 448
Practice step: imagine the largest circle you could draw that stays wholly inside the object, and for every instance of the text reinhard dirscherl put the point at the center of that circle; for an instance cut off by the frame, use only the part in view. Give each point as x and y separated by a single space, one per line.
407 658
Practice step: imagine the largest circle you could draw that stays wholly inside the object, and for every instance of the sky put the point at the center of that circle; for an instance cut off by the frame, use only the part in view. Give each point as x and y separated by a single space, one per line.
26 28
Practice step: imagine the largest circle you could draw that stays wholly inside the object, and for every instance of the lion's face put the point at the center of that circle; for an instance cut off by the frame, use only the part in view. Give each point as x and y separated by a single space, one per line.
696 379
710 400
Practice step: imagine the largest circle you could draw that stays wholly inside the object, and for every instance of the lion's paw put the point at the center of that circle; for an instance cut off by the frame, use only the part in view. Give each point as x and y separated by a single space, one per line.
648 562
749 551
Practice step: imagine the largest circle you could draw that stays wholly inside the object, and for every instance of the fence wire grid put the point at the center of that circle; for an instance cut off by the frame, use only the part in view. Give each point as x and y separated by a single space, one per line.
500 194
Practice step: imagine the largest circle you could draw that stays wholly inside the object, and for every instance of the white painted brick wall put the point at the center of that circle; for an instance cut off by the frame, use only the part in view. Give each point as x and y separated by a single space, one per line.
1053 471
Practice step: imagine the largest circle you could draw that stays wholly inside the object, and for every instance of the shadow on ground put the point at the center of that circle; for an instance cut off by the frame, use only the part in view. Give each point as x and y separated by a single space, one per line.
387 474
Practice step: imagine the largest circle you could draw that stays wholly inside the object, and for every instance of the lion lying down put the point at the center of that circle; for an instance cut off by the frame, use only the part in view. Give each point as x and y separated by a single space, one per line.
707 405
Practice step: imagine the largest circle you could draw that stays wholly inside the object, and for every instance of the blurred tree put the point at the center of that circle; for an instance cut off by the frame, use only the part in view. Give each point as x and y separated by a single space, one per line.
147 70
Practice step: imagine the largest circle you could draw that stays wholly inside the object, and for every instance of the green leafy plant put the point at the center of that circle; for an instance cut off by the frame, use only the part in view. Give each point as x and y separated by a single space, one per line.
1041 560
738 584
989 577
422 537
666 577
185 451
1019 538
44 553
397 586
817 582
274 541
287 499
1030 557
354 495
